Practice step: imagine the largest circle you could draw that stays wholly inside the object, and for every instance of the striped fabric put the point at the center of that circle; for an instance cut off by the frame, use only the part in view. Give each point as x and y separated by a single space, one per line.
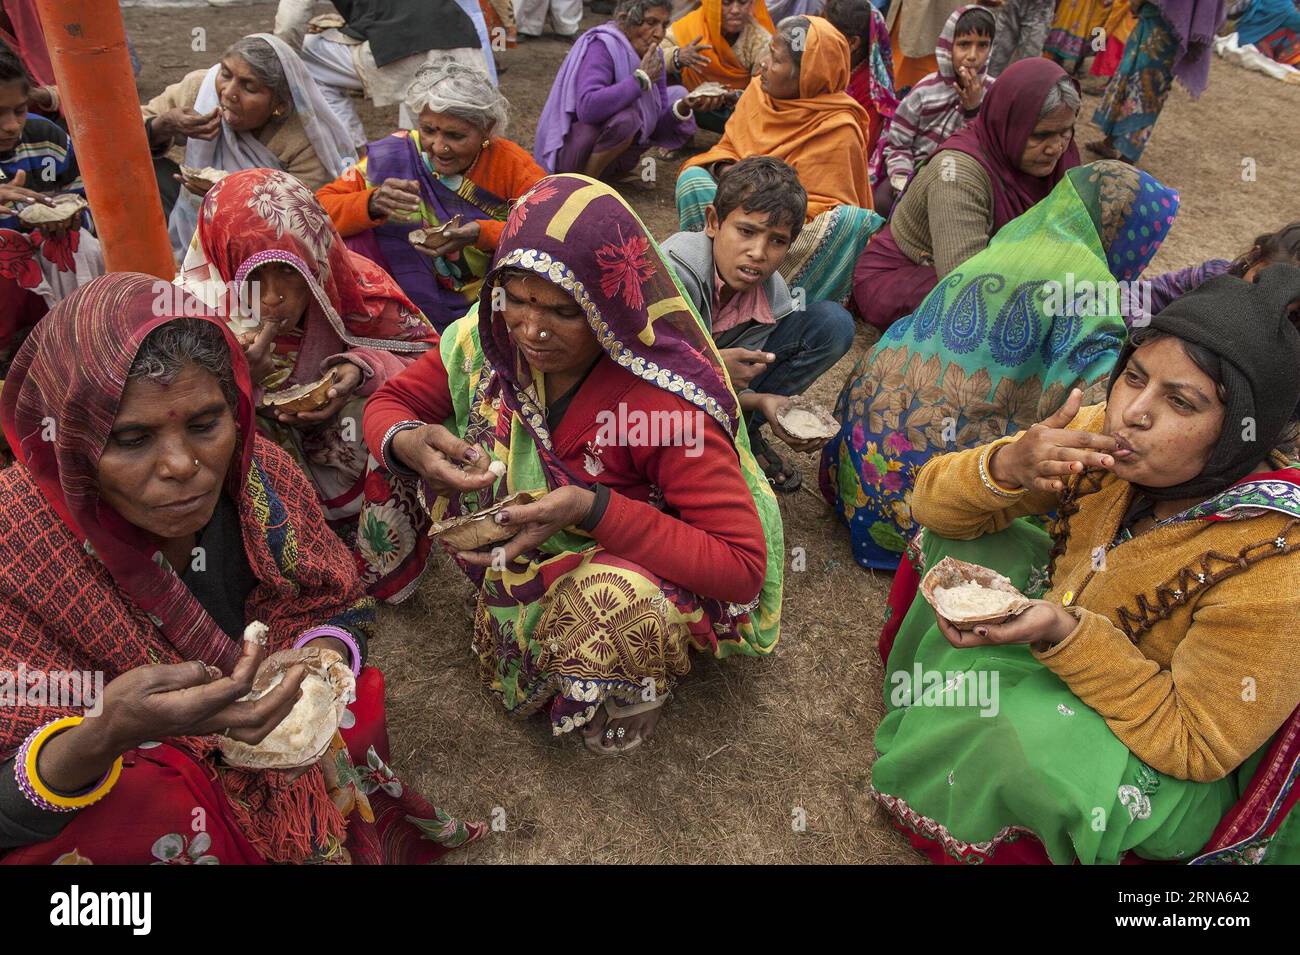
930 113
44 153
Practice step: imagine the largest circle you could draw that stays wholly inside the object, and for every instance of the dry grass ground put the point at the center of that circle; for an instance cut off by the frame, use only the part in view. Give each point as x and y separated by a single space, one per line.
747 744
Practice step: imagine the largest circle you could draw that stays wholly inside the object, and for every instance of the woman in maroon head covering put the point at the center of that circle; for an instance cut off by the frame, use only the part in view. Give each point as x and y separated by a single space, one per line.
980 179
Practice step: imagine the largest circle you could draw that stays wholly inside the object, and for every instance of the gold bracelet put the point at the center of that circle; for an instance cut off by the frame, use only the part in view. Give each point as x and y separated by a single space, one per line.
42 791
987 479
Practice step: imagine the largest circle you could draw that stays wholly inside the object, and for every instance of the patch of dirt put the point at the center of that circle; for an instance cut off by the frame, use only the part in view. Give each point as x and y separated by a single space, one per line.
749 748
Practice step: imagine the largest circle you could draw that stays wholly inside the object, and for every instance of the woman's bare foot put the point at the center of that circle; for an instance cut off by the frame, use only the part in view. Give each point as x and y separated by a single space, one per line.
613 735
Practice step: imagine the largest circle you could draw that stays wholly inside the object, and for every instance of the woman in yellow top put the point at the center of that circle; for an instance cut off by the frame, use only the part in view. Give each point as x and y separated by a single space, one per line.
723 41
1131 707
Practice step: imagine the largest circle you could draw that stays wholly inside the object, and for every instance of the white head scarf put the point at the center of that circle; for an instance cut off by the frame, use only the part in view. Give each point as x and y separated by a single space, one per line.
232 151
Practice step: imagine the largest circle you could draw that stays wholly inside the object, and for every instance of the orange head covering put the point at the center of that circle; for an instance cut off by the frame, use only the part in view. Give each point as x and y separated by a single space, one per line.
723 66
822 134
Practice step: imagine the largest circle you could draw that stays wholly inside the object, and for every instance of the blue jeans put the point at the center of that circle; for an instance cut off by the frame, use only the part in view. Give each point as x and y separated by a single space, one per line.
806 344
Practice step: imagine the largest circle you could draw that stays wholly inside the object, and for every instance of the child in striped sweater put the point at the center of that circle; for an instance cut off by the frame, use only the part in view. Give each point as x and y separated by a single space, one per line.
944 101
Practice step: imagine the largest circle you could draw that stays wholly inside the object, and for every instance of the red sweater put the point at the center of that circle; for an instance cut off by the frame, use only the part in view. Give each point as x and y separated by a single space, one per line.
706 539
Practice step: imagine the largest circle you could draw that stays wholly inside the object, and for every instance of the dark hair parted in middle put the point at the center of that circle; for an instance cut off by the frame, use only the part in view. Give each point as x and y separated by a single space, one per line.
763 184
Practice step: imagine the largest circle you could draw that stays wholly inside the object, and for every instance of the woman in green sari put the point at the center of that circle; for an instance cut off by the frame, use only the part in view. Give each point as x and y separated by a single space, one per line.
1147 703
585 371
994 347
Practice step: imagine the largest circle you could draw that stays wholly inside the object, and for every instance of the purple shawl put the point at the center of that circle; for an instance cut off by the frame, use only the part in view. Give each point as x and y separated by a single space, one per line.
561 110
1193 24
397 157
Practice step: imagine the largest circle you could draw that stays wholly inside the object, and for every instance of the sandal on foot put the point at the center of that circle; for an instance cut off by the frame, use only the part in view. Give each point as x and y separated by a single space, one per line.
782 475
614 738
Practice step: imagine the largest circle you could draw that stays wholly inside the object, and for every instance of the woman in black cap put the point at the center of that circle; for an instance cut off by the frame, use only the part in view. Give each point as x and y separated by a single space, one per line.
1136 707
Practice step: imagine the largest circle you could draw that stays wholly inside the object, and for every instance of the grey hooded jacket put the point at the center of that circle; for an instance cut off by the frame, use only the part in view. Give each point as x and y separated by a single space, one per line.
691 256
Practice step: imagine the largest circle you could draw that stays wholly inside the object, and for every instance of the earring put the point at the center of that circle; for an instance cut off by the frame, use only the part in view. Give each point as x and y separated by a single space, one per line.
486 144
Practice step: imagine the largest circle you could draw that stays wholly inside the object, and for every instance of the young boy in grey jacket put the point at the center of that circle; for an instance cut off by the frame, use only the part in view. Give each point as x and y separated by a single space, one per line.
774 344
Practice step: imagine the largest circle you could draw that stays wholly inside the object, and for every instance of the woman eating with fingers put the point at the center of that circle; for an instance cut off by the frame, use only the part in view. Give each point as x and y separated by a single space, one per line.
644 543
324 311
455 173
611 101
723 42
993 348
256 108
1144 701
144 527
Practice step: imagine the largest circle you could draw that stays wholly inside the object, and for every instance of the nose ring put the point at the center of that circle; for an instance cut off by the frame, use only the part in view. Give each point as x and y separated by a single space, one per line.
1146 421
543 335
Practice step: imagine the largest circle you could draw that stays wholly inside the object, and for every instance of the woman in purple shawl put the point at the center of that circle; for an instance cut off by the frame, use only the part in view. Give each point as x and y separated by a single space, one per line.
1171 41
455 172
982 177
610 101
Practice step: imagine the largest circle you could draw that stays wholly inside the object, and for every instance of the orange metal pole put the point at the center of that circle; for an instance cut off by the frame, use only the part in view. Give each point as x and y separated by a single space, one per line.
87 44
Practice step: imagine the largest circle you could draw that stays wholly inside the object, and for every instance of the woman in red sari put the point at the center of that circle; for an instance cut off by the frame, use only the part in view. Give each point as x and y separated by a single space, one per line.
322 307
133 429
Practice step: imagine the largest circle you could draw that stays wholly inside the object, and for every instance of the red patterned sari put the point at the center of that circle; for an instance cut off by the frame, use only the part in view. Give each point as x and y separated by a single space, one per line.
356 314
80 591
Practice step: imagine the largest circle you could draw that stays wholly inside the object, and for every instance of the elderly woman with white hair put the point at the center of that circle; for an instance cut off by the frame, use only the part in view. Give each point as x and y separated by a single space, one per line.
456 170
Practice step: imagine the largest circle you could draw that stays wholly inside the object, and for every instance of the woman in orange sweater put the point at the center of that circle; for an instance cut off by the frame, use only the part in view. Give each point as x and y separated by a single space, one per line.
451 171
1148 703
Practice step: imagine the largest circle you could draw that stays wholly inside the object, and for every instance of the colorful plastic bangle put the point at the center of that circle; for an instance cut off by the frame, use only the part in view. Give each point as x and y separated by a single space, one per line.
40 795
338 633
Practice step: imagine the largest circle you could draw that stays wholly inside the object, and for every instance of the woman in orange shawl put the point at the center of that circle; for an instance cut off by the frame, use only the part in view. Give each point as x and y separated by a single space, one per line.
797 110
723 41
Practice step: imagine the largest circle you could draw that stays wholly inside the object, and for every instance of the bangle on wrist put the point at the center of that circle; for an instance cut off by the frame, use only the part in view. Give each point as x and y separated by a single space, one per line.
643 79
41 795
597 510
678 113
386 455
338 633
986 478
